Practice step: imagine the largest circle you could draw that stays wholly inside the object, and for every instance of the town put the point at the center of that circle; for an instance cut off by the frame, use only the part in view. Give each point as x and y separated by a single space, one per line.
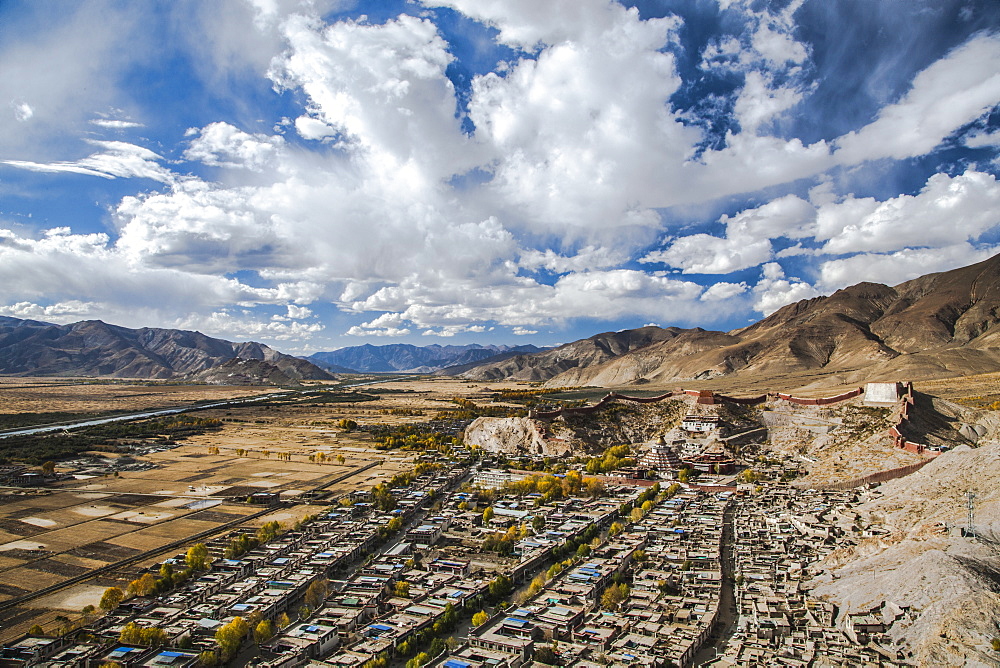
683 556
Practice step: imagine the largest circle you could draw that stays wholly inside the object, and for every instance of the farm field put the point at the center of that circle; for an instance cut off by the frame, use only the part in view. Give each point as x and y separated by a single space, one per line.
70 528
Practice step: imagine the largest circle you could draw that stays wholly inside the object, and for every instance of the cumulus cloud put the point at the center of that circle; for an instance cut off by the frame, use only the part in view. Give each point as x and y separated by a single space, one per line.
224 145
775 290
947 209
896 267
423 200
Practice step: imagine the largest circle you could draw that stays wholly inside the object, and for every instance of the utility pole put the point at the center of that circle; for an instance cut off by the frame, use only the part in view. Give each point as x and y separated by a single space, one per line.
971 530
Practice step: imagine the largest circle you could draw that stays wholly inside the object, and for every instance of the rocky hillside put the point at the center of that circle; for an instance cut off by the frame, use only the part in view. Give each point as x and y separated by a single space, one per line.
939 325
949 583
244 372
95 348
406 358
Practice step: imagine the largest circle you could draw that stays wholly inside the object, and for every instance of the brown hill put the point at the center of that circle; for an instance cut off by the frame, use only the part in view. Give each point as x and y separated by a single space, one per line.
939 325
238 371
95 348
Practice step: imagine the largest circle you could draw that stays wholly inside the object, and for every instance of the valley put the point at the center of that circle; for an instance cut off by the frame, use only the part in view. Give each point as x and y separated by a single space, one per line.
109 514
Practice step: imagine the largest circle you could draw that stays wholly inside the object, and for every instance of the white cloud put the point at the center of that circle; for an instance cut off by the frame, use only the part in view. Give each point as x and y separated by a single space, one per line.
774 290
113 124
722 290
947 210
223 145
117 160
61 312
899 266
949 94
22 111
705 254
523 331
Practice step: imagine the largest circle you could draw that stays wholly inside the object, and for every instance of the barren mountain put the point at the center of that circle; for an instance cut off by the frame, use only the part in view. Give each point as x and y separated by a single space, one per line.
406 358
939 325
243 372
95 348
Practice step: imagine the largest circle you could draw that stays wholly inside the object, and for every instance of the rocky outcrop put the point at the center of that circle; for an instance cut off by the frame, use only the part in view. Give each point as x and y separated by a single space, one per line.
516 436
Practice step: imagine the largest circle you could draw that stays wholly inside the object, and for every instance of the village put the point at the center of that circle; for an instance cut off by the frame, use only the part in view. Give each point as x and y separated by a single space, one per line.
461 564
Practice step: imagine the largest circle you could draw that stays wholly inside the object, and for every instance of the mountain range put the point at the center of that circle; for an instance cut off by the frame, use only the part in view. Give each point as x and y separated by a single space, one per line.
95 348
406 358
938 325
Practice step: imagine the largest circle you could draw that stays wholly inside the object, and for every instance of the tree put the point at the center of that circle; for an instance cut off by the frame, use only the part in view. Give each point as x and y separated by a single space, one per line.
131 634
500 587
153 636
395 524
112 598
283 620
230 636
480 618
36 630
49 468
208 658
583 551
636 514
197 557
402 589
613 596
487 514
418 660
616 528
143 586
263 631
546 655
317 592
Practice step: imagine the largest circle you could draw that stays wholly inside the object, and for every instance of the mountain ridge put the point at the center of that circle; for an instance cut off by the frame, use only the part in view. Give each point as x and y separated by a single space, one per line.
934 325
408 358
96 348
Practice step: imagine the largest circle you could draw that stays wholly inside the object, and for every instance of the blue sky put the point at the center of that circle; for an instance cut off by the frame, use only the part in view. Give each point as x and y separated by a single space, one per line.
317 174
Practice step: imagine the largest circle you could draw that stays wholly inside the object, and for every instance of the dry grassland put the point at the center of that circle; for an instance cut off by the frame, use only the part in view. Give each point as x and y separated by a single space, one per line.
46 395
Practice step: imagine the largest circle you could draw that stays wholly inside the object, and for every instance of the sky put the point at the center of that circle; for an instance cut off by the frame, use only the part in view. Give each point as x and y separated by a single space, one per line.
314 174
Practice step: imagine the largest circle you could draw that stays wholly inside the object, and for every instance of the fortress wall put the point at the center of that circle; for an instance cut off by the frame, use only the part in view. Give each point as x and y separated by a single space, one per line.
881 476
822 401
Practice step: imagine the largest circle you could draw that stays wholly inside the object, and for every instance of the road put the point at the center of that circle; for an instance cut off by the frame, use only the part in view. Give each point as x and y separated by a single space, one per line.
728 614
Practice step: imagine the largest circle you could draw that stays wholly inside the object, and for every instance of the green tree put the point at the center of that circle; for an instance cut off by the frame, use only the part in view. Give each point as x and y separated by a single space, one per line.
583 551
208 658
197 557
112 598
500 587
